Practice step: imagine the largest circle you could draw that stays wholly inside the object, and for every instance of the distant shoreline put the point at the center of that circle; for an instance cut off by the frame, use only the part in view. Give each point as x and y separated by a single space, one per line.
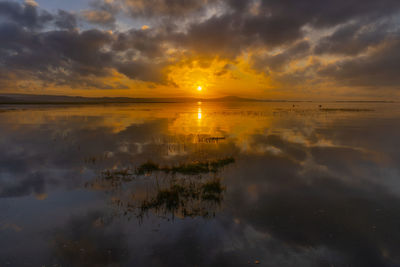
21 99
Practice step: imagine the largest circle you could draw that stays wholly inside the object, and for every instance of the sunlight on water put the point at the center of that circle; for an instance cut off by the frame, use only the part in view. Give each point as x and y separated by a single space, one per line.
199 113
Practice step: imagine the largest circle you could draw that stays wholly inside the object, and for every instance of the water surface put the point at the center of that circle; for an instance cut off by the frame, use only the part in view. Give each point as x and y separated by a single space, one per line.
200 184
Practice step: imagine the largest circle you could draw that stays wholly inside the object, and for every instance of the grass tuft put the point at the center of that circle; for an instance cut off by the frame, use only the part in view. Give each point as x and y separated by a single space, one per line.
147 168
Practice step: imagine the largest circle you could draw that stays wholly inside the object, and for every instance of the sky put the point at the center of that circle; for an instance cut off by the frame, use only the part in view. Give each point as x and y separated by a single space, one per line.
266 49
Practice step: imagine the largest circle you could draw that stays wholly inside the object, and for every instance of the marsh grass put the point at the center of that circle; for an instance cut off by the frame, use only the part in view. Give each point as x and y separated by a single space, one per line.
345 110
193 168
185 199
117 175
184 190
210 139
212 190
315 111
147 168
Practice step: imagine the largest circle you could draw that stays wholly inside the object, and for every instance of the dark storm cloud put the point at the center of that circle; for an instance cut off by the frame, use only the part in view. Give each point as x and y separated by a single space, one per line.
355 38
278 61
144 71
24 49
53 53
278 22
156 8
65 20
272 22
216 36
379 68
25 15
281 24
67 56
214 28
147 43
327 13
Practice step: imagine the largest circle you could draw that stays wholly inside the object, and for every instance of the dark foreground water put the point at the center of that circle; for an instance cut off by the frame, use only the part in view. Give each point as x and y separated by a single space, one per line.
201 184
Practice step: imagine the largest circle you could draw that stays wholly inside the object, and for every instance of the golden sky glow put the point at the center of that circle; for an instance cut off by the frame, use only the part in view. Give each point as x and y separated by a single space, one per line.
160 48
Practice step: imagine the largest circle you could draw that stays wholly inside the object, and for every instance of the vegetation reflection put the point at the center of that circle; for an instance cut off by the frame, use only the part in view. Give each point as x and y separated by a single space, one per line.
192 189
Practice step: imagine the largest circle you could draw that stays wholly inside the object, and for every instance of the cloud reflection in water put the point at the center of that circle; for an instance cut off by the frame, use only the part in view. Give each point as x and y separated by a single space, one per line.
307 188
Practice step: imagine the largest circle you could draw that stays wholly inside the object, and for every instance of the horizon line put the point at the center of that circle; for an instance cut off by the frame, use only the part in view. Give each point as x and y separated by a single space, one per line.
231 98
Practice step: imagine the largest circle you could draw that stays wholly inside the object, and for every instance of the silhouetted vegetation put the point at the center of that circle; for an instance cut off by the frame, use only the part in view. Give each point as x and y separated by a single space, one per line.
118 175
187 168
182 195
345 109
208 139
147 167
186 199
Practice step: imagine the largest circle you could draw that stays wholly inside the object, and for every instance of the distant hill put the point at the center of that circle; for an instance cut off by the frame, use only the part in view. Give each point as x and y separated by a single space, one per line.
55 99
20 99
231 99
25 99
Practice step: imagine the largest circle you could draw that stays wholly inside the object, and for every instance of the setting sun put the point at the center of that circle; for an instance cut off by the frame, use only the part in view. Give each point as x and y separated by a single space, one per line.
242 132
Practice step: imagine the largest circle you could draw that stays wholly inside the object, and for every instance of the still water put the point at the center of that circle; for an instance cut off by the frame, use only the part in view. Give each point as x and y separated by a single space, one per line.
200 184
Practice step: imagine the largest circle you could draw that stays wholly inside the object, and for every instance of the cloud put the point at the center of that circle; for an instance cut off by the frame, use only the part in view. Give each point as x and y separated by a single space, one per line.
50 48
34 183
66 20
140 70
153 8
278 61
376 69
31 3
26 15
100 17
89 240
303 200
355 38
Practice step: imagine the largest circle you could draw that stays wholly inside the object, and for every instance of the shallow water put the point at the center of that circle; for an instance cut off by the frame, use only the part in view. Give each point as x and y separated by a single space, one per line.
223 184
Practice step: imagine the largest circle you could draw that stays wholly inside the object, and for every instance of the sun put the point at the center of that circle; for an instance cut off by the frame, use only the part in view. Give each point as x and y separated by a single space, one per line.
199 88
